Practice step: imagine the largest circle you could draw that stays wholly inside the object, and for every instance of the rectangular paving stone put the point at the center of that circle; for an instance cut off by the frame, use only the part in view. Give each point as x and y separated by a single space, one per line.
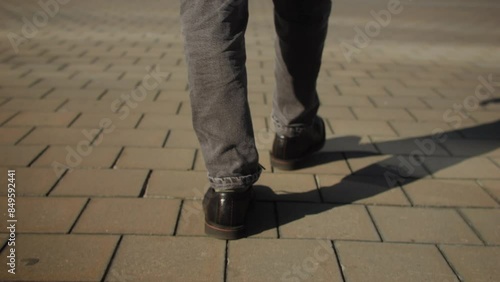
58 257
10 82
71 156
448 193
22 92
423 83
65 83
440 103
373 114
30 181
205 254
346 101
129 216
166 121
101 182
156 158
398 102
362 91
113 94
180 138
372 261
468 147
422 225
112 84
59 136
75 94
177 184
312 260
425 115
410 91
9 136
346 127
134 137
169 95
409 146
44 215
108 121
390 167
157 107
19 155
286 187
455 167
474 263
26 104
336 113
423 129
90 106
325 163
42 119
326 221
360 189
486 222
6 115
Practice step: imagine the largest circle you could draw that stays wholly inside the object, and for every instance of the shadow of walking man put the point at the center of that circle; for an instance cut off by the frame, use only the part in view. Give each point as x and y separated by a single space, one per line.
392 171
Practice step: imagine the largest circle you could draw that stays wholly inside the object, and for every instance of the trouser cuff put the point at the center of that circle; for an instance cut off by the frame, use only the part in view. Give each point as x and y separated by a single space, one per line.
234 182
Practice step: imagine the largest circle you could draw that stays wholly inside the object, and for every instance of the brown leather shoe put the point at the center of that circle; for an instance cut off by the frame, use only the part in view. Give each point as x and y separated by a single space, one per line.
225 213
288 153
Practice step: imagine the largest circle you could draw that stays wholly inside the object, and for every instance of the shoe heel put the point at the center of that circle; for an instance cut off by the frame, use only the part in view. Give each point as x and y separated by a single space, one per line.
285 165
224 234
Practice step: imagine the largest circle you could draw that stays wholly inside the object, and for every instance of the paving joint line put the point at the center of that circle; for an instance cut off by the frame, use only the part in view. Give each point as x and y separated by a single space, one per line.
471 226
277 220
372 219
115 161
113 255
38 156
74 120
10 118
145 184
177 220
337 258
166 138
25 135
45 94
448 262
70 231
62 105
226 260
102 94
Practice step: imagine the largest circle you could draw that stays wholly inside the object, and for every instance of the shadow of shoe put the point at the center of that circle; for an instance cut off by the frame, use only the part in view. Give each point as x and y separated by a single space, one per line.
390 172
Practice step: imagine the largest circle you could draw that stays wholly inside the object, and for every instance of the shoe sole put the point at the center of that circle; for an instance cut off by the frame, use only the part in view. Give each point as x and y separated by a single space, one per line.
225 233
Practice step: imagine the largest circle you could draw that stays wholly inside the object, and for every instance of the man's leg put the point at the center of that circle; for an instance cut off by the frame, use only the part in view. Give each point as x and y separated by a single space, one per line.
215 52
301 28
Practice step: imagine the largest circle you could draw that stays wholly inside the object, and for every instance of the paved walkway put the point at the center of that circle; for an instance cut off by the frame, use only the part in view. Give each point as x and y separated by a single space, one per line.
406 189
